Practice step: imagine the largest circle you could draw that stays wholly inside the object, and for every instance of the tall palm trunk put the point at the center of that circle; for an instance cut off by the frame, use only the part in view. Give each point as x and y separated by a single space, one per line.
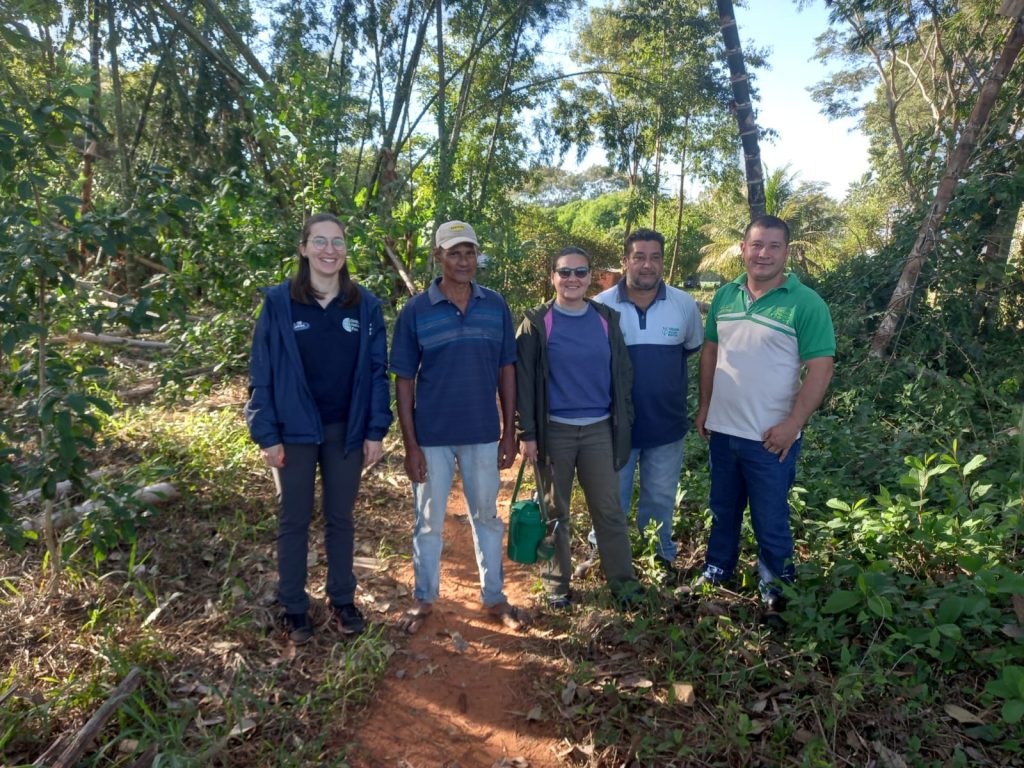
744 110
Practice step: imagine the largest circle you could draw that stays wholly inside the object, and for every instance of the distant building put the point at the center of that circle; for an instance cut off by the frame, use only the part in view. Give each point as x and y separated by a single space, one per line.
602 279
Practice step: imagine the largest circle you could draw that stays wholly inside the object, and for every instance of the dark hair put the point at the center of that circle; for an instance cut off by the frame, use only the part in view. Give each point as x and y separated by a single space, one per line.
768 222
571 250
642 234
302 289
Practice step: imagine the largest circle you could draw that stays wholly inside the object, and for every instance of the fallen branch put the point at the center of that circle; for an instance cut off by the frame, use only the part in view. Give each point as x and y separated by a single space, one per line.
106 338
82 740
52 751
154 265
151 494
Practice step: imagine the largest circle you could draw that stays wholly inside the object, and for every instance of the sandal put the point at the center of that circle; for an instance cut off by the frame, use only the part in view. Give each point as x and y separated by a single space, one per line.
509 615
413 618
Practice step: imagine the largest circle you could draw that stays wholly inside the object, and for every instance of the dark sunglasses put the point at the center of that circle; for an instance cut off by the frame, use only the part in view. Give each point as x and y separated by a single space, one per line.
567 271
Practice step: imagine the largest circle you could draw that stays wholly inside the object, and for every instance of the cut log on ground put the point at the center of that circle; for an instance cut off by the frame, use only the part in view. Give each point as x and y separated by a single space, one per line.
151 494
64 487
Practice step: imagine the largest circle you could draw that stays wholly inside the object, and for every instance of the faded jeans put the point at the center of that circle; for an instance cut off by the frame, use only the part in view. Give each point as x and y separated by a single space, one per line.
478 466
660 467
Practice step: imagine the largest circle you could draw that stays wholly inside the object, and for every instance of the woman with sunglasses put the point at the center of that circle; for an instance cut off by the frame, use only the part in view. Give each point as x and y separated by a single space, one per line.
573 382
318 397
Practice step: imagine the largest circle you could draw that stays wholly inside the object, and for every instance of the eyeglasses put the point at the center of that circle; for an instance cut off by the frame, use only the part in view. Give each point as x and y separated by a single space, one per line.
567 271
321 242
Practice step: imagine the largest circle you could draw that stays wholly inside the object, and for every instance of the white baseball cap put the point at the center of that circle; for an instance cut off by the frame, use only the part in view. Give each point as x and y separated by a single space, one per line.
452 233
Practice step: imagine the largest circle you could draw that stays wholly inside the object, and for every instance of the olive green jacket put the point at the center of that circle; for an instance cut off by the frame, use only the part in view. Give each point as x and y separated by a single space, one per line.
532 381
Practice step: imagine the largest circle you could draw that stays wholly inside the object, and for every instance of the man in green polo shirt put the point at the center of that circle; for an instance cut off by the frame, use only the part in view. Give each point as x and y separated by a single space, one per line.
762 331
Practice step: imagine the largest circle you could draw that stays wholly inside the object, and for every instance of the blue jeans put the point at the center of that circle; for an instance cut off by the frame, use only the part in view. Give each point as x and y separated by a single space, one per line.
744 471
478 466
296 484
660 467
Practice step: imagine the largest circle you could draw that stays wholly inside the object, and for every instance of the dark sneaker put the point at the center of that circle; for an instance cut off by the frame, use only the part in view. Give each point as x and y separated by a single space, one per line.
348 619
559 602
774 605
629 596
298 627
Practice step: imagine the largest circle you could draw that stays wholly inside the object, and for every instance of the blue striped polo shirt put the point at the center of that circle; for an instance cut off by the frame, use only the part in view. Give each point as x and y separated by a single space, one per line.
454 358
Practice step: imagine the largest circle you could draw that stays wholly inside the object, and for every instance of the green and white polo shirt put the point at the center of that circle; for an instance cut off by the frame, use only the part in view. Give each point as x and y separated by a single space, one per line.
761 345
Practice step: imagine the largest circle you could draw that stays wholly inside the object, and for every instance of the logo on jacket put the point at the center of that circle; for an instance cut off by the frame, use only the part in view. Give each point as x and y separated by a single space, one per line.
300 325
350 324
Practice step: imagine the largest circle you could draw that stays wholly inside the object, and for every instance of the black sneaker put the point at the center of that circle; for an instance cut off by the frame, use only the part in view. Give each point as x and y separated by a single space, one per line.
629 596
559 602
298 627
348 619
774 605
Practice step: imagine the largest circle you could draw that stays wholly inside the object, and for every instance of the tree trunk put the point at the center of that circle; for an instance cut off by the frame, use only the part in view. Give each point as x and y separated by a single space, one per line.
444 160
232 34
744 110
505 85
49 531
115 81
400 102
898 304
994 258
679 209
657 182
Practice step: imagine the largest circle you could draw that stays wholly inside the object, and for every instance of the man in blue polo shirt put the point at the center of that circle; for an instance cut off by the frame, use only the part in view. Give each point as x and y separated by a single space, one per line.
662 326
762 329
453 348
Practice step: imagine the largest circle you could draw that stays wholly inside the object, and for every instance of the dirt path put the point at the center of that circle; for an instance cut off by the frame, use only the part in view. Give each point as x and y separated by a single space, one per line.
459 692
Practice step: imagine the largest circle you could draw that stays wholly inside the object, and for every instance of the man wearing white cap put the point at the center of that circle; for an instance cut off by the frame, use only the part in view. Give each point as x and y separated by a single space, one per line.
453 348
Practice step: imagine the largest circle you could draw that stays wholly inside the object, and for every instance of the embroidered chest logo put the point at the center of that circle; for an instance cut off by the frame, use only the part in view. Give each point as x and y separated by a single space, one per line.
669 332
350 324
300 325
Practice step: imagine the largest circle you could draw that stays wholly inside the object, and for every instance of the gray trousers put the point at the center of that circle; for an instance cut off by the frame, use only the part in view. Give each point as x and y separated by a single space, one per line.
296 484
585 452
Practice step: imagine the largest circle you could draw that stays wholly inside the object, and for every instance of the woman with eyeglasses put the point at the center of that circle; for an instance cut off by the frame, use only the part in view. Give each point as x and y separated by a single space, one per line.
573 384
318 398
